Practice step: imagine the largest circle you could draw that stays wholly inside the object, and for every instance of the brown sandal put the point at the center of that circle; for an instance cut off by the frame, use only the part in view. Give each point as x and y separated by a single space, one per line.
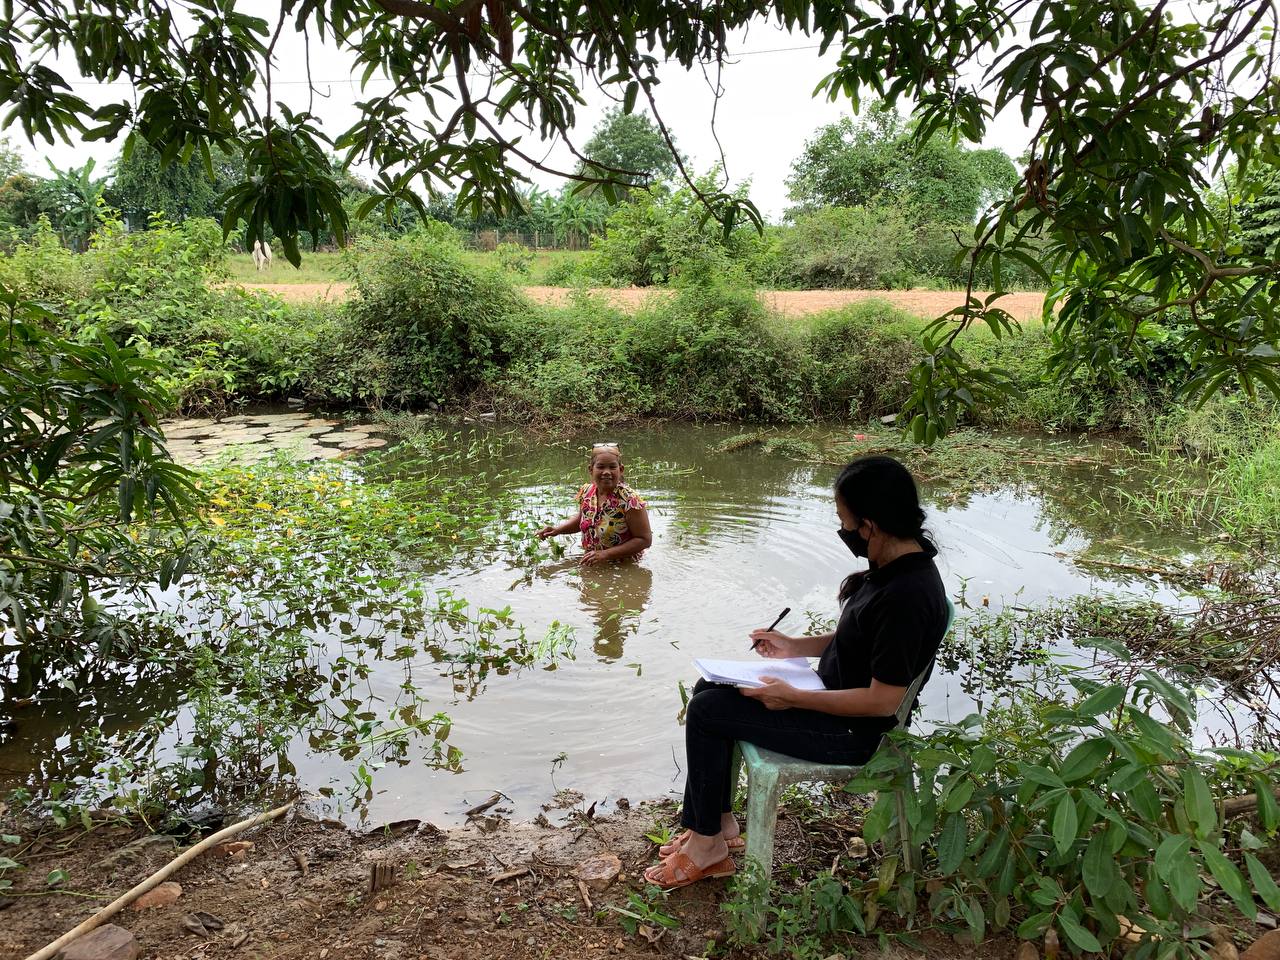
689 872
733 843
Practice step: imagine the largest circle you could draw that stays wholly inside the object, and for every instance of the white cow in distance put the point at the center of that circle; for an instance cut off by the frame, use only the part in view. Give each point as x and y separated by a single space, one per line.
261 254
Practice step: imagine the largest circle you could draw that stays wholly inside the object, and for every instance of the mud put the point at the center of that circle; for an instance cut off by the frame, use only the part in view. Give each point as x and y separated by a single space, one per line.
489 889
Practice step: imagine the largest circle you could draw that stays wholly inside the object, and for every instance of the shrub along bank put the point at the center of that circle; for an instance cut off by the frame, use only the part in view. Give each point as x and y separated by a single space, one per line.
426 326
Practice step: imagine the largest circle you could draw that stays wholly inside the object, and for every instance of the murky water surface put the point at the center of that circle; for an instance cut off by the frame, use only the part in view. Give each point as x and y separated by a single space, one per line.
738 536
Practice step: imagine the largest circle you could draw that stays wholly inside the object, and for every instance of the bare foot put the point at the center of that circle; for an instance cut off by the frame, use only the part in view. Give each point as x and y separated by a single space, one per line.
703 851
729 829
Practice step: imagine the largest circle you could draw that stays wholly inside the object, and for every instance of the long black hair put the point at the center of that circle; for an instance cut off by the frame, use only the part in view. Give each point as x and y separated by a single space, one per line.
882 490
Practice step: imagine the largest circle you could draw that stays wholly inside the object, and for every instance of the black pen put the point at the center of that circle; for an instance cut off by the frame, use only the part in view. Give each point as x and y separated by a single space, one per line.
785 611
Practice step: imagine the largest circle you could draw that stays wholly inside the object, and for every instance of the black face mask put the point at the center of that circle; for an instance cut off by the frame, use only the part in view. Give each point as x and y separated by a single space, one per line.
855 541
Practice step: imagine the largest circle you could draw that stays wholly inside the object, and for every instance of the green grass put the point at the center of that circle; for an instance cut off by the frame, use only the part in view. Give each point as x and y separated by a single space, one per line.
543 261
326 267
319 267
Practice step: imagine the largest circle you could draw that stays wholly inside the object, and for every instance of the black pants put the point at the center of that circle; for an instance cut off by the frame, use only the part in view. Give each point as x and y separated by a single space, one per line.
719 715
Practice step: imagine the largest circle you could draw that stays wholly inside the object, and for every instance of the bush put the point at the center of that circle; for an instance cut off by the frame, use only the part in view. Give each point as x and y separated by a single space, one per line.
1093 816
515 258
41 269
849 247
563 272
709 352
425 325
862 357
657 235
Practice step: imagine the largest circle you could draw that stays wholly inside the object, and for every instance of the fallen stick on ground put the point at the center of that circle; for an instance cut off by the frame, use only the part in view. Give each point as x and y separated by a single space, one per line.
482 807
157 878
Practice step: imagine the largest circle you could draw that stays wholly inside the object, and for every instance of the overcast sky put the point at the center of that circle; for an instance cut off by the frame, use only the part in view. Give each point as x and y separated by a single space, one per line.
767 112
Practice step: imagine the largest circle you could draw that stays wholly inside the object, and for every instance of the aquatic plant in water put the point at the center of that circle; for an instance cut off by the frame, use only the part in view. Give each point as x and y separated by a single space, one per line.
313 574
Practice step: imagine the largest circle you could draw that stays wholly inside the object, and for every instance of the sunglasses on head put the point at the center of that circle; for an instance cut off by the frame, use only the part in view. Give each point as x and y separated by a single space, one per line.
604 446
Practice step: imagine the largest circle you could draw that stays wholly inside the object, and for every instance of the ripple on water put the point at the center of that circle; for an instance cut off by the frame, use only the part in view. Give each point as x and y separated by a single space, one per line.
737 538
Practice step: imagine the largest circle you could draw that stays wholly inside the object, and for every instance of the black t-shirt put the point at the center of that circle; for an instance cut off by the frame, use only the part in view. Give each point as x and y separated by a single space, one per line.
889 629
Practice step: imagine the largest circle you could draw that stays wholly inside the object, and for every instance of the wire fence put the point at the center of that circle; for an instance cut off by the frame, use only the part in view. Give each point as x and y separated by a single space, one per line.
537 240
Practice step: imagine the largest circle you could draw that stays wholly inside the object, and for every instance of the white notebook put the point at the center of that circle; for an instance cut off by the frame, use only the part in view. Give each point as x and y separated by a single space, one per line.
747 673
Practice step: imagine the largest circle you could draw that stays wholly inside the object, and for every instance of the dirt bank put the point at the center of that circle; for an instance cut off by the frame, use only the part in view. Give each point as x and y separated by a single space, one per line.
490 889
795 303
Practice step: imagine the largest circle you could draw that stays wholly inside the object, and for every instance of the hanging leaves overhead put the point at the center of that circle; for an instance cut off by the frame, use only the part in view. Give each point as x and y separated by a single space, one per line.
1134 108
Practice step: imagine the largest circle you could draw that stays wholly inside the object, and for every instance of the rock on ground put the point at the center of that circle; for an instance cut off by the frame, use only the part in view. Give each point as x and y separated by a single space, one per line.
161 896
108 942
599 871
1266 948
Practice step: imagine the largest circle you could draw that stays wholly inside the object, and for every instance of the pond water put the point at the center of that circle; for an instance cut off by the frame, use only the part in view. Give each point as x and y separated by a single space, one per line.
738 537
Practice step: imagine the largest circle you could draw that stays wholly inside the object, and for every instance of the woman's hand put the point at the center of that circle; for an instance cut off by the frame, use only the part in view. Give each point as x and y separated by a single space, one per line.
546 532
775 694
772 644
592 557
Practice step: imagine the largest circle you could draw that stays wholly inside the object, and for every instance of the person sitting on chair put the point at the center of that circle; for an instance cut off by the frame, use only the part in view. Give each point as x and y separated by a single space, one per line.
893 617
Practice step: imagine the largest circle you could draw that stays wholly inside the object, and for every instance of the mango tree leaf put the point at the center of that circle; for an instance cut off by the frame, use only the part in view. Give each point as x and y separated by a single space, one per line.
1198 802
952 843
1084 759
1102 701
1081 938
1173 849
1099 868
1066 823
1263 883
1229 878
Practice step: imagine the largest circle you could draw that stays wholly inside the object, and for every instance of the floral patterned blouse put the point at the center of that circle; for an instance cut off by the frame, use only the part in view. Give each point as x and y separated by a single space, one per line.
604 516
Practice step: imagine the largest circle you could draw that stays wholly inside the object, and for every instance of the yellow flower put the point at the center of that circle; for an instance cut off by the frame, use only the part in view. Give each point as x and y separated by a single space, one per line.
217 521
345 503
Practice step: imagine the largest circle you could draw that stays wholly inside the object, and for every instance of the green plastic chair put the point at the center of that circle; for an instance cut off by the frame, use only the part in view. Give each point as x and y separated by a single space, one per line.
769 772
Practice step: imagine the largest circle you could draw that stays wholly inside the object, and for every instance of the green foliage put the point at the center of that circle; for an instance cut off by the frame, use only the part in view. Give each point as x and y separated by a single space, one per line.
430 323
877 161
155 291
708 352
74 199
800 923
514 258
143 186
90 503
1067 816
1112 213
1234 492
856 247
24 202
659 234
1260 216
10 160
43 269
1089 814
562 273
630 148
264 654
645 909
861 360
424 326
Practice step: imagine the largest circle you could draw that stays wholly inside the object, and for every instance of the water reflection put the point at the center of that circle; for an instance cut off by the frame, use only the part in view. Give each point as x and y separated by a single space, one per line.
615 598
738 536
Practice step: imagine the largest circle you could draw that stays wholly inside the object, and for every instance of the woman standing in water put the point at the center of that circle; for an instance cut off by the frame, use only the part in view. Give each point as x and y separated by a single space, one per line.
611 516
892 618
